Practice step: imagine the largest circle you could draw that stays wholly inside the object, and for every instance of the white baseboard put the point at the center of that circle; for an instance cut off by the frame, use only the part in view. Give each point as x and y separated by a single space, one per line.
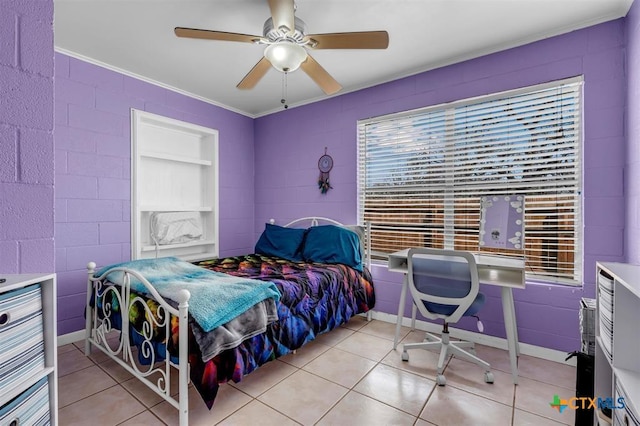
481 339
76 336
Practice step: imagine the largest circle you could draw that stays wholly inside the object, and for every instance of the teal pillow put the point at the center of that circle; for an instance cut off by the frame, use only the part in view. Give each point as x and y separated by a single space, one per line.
332 244
281 242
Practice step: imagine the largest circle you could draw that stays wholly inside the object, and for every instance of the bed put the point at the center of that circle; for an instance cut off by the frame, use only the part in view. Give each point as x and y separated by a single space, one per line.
321 276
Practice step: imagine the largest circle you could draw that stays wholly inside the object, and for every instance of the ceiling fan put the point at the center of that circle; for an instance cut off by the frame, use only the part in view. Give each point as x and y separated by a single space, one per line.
286 41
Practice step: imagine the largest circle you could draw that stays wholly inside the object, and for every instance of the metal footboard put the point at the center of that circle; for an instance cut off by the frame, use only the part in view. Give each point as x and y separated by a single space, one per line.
105 301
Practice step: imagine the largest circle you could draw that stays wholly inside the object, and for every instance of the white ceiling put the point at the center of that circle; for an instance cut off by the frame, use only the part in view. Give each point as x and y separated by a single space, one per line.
136 37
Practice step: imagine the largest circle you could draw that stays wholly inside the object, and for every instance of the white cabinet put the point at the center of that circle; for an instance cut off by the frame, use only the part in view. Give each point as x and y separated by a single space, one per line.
28 352
174 169
617 354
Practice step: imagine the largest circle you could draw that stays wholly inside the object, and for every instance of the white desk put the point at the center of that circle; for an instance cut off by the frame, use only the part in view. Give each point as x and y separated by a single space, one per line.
502 271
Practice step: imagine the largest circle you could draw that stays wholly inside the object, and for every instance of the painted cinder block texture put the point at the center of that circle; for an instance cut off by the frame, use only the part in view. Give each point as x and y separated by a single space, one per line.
93 171
26 137
267 163
547 314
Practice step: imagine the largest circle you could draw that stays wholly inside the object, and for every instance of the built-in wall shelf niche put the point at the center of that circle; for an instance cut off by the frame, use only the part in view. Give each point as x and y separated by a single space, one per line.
174 169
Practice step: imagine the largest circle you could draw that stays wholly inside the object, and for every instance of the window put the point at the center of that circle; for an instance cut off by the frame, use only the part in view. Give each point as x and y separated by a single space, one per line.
422 173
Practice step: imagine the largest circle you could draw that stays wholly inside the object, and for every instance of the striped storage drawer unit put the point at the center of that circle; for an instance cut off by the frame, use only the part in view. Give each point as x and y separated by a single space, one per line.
605 307
21 335
31 407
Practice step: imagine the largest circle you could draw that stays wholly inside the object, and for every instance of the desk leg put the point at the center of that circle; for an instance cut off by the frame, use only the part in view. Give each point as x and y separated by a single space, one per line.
403 297
511 329
515 327
414 310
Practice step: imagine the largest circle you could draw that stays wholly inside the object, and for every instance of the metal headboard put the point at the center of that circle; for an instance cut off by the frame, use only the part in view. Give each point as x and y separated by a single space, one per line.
317 220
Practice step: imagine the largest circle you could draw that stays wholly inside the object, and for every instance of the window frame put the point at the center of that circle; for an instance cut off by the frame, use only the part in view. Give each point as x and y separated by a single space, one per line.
450 107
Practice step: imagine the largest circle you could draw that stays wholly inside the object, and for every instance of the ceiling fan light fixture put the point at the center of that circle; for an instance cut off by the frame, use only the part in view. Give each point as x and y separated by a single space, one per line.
285 56
287 41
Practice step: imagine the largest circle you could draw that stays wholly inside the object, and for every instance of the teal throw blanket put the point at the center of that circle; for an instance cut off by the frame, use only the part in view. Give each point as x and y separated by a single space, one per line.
216 298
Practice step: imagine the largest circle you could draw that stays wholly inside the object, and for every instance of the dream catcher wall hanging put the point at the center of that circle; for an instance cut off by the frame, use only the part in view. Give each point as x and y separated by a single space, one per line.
325 164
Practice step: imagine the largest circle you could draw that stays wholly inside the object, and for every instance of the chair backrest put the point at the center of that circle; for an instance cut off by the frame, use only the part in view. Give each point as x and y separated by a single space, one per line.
446 279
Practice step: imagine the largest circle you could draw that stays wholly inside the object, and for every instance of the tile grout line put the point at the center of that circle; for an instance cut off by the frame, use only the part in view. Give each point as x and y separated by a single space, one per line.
363 330
118 384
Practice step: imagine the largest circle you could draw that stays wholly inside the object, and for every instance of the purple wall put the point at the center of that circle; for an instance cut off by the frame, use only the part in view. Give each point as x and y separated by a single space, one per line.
93 154
26 137
632 177
289 143
92 177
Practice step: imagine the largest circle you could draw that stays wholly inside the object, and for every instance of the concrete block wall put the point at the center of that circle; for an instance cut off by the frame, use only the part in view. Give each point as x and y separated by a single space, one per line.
547 314
93 172
92 157
26 137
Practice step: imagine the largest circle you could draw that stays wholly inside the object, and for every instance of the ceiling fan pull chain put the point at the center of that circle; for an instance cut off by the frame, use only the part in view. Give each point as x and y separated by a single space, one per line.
284 90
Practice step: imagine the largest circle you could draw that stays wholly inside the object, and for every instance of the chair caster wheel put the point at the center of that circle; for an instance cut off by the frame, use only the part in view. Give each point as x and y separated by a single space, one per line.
405 356
488 377
440 380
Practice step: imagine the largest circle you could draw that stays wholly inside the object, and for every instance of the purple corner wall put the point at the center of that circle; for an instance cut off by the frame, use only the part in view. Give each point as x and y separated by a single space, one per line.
632 177
26 137
268 165
289 143
93 173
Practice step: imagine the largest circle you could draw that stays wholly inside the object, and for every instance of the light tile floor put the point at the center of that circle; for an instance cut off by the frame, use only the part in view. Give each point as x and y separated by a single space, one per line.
348 376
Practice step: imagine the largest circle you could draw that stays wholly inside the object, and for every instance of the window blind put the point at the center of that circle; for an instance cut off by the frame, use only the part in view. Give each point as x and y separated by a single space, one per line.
422 173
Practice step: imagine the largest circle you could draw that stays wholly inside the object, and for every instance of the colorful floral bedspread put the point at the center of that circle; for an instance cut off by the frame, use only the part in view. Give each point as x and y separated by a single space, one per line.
315 298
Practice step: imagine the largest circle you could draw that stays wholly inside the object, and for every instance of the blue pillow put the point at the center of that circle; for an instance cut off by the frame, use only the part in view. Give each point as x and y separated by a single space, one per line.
281 242
332 244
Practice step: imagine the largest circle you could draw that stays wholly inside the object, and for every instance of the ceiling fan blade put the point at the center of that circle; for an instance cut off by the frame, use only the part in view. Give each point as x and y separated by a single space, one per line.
215 35
318 74
282 14
257 72
354 40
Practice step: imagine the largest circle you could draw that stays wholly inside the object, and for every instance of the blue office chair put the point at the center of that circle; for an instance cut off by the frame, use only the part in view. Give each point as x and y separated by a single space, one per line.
444 285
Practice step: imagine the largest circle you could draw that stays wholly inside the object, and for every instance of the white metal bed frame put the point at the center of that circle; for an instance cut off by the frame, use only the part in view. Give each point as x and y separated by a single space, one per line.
157 375
315 221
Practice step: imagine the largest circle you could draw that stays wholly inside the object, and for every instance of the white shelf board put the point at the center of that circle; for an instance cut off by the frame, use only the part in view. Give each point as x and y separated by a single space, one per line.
180 245
627 274
199 256
176 208
172 157
14 281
